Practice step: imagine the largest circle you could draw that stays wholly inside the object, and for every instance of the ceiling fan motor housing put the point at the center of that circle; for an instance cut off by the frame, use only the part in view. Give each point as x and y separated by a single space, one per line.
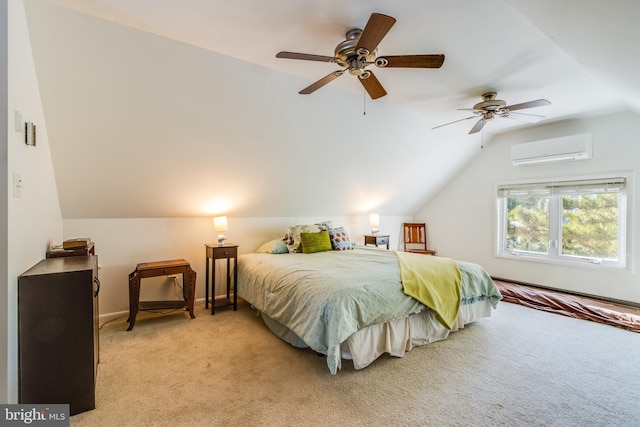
489 104
347 54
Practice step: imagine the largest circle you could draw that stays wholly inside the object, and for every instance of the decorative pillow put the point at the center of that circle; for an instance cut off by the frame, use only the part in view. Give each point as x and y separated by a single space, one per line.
315 242
292 236
340 239
276 246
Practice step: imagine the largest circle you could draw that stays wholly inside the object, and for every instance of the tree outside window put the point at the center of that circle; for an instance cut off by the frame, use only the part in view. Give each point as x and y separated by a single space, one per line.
580 220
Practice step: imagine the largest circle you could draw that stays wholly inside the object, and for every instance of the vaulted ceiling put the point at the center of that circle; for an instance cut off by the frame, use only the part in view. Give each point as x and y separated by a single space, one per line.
180 108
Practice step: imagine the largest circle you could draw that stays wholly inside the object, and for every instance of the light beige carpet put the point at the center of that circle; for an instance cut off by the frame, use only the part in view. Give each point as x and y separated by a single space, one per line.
519 367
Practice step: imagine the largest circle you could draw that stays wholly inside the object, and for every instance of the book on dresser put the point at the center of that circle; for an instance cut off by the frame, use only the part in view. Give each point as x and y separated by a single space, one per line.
57 251
76 243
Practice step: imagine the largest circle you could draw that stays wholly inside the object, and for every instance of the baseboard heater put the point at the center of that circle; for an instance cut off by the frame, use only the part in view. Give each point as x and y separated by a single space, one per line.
563 149
623 303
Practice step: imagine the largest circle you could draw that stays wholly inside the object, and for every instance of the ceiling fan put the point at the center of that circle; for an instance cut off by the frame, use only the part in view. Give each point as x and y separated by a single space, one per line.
358 51
491 107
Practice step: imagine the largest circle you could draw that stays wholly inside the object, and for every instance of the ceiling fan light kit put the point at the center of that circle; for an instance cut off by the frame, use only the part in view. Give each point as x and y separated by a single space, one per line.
360 50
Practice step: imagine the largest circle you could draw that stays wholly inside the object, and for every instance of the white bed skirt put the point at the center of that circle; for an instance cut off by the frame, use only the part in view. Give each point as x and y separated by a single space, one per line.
395 337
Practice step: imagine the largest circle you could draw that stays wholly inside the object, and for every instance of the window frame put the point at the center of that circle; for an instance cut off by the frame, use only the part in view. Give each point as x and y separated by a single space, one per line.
554 254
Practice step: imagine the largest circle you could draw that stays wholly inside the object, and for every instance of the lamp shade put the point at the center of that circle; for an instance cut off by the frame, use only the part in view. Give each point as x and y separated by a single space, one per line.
220 223
374 220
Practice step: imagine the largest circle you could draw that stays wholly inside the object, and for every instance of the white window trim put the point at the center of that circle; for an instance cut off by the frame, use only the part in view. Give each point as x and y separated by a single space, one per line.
625 212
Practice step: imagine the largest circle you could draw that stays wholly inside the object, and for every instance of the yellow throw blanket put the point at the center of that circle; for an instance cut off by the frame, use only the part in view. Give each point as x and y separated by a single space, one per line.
434 281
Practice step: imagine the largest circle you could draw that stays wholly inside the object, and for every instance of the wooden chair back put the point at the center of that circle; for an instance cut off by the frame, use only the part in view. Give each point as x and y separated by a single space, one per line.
415 238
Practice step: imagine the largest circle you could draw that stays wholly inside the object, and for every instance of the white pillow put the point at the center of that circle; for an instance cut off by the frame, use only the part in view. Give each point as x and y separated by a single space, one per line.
276 246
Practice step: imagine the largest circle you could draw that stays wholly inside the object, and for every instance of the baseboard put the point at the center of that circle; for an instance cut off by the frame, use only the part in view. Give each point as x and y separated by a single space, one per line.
108 317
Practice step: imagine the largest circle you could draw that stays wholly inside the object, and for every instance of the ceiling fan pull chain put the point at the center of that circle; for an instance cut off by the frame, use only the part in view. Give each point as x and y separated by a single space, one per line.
364 102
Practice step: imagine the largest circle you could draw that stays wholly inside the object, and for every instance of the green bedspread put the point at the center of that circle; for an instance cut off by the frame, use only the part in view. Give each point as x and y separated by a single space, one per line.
434 281
323 298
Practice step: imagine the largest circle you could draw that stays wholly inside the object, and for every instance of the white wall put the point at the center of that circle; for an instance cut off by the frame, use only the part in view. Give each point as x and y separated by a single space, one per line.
165 129
34 219
461 218
120 244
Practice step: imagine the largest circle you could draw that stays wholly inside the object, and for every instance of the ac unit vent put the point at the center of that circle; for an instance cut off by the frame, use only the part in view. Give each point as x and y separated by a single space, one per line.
563 149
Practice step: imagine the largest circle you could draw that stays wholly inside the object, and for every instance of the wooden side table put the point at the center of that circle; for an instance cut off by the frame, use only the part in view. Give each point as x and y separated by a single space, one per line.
214 252
376 239
161 268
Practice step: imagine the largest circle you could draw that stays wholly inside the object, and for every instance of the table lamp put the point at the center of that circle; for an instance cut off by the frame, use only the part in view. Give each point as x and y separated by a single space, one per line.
374 220
220 225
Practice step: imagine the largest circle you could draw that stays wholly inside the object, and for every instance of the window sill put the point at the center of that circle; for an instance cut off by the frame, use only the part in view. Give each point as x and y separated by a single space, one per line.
579 263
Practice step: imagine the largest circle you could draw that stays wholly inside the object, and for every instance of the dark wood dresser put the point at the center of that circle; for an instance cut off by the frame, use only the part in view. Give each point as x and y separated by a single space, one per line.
58 338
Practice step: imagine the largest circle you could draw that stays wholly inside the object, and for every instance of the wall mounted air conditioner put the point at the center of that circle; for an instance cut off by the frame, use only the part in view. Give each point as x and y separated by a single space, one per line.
563 149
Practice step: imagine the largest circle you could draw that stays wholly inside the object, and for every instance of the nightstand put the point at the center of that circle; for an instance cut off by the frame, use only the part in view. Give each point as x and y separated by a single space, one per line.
215 252
376 239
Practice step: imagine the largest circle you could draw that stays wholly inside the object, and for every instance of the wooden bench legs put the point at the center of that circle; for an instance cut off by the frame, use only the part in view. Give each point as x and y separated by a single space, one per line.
161 268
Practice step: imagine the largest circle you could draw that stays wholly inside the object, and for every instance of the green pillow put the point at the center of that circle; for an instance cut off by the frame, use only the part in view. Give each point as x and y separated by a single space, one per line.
315 242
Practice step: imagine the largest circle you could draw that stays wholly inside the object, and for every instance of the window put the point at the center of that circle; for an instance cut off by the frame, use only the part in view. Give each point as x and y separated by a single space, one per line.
579 220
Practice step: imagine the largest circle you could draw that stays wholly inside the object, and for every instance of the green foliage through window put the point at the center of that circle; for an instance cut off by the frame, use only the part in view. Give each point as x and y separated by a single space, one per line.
528 224
590 225
582 220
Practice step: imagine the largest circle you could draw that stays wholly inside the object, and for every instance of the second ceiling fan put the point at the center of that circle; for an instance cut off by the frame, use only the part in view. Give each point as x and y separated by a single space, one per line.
491 107
358 51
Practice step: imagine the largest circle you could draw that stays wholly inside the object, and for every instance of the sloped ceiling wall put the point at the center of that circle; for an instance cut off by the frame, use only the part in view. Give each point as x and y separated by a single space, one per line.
600 36
142 126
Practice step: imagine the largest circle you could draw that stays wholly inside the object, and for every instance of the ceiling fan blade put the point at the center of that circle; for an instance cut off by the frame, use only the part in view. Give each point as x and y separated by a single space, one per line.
373 86
377 27
529 118
304 56
323 81
455 121
413 61
478 126
530 104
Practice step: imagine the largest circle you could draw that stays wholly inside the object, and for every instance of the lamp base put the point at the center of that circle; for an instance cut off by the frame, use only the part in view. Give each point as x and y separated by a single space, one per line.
374 231
221 239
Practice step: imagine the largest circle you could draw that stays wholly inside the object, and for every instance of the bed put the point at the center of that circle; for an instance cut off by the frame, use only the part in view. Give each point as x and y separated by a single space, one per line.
350 304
